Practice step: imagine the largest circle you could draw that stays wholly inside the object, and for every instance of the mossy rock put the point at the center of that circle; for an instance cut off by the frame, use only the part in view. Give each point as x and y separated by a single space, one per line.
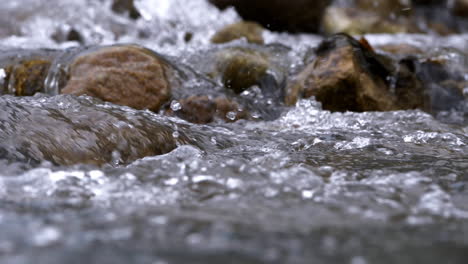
26 78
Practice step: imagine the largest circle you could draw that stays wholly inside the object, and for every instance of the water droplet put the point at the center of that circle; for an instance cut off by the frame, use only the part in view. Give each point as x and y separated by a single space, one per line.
46 236
171 181
175 106
231 115
2 76
213 140
307 194
358 260
270 192
232 183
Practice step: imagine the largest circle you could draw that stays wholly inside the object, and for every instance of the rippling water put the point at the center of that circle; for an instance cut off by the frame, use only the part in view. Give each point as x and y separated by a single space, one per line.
309 187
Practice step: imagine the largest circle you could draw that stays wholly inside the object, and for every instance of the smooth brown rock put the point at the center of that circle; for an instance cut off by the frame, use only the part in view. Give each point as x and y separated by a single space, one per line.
280 15
460 8
347 76
126 75
251 31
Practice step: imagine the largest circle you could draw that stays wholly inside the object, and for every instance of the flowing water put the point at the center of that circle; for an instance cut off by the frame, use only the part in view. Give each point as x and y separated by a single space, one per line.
309 187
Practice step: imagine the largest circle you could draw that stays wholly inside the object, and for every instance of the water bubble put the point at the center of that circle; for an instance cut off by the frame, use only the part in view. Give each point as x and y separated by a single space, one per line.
232 183
171 181
358 260
2 76
175 106
307 194
46 236
231 115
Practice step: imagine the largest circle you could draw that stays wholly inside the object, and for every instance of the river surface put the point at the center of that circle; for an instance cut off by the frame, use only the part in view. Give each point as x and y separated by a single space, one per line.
309 187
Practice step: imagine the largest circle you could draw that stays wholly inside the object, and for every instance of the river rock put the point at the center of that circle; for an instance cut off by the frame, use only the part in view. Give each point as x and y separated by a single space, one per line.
460 8
280 15
68 130
27 78
127 75
203 109
126 7
251 31
240 68
348 76
23 72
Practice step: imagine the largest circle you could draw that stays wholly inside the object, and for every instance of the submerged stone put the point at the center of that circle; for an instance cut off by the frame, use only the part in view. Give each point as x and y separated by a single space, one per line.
251 31
70 130
127 75
280 15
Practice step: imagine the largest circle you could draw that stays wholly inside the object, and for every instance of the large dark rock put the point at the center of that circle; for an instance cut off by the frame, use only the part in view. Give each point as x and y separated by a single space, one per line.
69 130
127 75
280 15
348 75
460 8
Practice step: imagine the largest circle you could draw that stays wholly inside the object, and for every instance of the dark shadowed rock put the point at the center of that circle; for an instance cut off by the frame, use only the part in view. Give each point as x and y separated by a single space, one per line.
126 7
126 75
251 31
349 76
460 8
280 15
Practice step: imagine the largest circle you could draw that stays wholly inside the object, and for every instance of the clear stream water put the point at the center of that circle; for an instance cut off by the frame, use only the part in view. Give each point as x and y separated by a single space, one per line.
309 187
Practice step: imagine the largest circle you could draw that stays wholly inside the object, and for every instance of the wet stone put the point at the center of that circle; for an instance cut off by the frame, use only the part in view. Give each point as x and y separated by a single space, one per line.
242 68
68 130
126 75
203 109
345 76
251 31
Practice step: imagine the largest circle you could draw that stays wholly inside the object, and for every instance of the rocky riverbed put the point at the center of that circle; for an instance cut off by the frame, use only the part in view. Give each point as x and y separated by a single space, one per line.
177 131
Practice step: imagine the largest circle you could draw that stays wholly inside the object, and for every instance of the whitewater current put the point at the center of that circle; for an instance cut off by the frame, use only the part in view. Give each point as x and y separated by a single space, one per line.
309 187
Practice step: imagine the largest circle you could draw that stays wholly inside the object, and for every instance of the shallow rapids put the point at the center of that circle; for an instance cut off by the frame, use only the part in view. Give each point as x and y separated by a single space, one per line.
311 186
